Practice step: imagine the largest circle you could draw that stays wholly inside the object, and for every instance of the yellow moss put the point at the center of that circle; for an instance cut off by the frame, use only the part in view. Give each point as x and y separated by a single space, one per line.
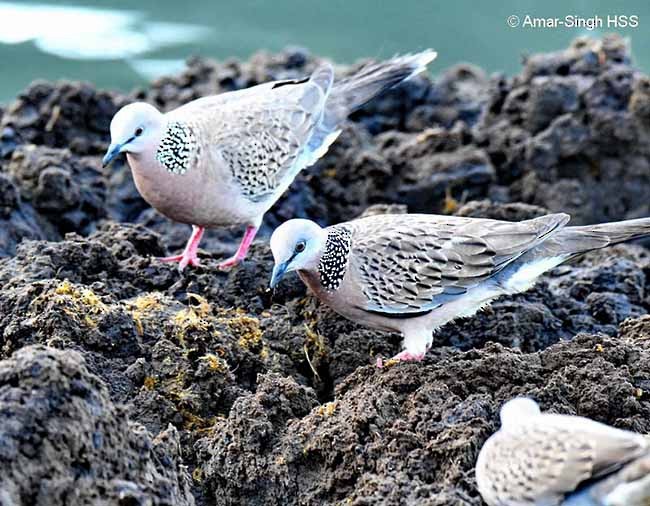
197 475
64 288
89 298
146 303
247 328
264 354
138 324
638 392
192 318
187 319
327 409
202 308
141 306
315 341
331 173
215 363
451 204
196 423
80 297
389 363
78 303
150 382
175 387
599 348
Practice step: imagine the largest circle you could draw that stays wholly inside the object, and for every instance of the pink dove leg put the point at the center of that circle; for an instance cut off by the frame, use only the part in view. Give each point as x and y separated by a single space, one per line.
189 256
246 242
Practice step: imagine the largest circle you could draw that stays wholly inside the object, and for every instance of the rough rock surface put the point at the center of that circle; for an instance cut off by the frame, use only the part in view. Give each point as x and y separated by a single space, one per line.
269 397
63 441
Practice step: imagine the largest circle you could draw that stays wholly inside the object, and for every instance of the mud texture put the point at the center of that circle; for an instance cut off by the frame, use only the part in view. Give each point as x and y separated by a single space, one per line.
63 441
124 382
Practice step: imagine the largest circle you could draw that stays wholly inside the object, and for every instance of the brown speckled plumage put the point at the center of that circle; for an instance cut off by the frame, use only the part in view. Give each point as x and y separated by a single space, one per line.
413 273
538 459
403 262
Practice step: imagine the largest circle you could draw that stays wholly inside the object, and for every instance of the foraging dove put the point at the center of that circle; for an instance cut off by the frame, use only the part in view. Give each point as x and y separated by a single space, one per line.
225 160
541 459
412 273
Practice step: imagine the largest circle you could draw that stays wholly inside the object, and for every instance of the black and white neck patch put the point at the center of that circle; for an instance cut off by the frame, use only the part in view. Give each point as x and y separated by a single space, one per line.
177 148
334 261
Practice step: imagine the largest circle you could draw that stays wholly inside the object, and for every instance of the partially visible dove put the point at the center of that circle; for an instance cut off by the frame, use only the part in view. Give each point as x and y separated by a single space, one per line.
225 159
541 459
412 273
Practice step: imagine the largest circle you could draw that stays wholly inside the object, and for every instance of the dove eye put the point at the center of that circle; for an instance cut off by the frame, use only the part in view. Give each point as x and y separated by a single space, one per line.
138 131
300 247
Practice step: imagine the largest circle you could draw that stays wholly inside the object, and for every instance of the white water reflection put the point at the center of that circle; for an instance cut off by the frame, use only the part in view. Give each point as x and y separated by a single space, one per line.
152 68
106 33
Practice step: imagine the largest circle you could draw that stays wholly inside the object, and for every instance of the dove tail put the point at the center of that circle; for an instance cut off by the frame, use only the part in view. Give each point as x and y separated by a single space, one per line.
351 93
572 241
567 243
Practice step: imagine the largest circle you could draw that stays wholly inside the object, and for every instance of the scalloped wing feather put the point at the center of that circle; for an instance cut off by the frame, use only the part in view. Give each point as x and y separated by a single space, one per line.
261 134
540 463
405 261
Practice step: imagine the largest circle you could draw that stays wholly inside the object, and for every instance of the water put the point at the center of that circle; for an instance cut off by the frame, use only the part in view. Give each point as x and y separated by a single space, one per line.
124 43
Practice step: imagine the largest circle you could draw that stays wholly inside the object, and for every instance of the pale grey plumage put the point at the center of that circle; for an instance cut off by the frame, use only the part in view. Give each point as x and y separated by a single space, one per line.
414 273
225 160
404 261
538 459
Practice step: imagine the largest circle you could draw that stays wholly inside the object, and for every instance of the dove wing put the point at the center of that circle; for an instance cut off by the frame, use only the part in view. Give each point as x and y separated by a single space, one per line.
405 262
542 463
259 135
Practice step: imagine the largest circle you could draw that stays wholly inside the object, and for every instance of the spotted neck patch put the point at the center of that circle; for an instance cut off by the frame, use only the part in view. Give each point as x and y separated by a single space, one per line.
334 261
177 148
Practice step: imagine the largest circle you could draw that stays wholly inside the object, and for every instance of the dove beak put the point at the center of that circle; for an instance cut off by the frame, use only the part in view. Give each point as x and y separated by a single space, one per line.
111 154
279 270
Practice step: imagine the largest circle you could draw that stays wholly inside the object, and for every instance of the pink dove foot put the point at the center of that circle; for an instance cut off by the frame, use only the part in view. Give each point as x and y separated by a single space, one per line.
245 244
404 356
189 255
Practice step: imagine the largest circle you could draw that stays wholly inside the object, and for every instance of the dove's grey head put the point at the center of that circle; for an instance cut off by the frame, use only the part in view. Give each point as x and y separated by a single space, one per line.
296 245
517 411
135 128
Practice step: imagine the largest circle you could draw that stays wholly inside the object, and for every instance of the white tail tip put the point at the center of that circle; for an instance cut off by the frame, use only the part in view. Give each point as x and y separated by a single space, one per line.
425 57
418 61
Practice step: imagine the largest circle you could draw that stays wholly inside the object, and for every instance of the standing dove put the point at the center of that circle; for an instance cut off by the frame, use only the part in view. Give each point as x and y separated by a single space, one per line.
540 459
412 273
224 160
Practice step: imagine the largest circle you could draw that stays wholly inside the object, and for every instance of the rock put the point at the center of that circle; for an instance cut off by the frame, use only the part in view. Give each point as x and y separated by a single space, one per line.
64 115
69 191
406 434
63 441
515 211
18 220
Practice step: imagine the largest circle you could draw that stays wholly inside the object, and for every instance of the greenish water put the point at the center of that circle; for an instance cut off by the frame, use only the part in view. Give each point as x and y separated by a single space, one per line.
123 43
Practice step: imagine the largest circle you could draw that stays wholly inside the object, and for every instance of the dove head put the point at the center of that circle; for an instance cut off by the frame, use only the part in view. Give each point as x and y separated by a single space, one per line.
296 245
518 410
134 129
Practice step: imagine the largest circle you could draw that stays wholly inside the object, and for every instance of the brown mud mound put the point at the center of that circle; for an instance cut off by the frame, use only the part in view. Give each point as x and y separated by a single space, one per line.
402 435
62 440
268 397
